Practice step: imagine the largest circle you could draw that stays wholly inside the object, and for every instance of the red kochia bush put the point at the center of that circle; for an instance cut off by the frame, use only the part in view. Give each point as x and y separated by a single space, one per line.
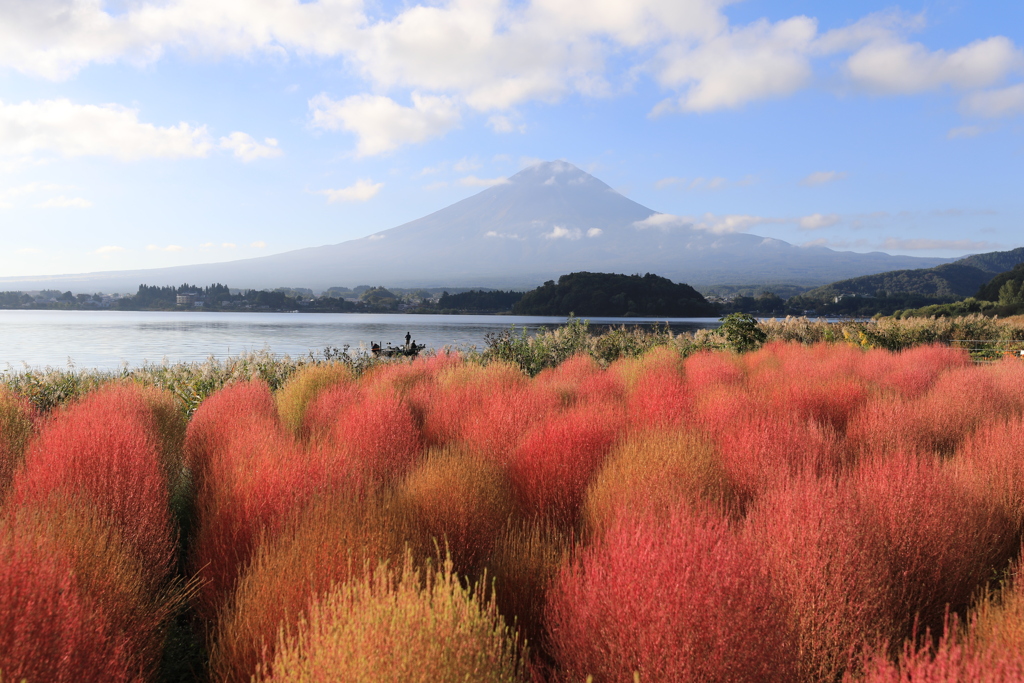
555 460
248 489
104 449
940 541
50 628
683 601
377 435
909 373
991 464
229 413
810 535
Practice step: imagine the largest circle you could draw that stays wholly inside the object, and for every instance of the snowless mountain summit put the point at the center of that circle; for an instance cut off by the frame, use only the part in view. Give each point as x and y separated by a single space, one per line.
547 220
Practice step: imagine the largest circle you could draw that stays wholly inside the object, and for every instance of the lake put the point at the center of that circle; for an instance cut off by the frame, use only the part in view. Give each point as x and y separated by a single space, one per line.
110 339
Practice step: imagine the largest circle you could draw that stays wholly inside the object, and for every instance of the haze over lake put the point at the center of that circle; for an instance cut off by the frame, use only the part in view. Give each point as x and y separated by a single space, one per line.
110 339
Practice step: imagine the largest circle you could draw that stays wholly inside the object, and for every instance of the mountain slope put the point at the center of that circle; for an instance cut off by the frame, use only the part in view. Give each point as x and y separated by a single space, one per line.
547 220
948 282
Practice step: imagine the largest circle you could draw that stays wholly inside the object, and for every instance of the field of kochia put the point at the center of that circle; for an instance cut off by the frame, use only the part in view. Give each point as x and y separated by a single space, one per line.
797 513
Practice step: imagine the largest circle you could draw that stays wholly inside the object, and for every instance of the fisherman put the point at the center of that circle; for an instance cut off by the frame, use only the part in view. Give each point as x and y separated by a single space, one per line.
408 336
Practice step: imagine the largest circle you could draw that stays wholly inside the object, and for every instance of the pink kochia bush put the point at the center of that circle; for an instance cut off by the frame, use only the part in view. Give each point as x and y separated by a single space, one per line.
683 599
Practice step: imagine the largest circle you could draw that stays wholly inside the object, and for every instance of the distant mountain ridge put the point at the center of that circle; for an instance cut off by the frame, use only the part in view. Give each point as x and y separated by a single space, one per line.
543 222
950 281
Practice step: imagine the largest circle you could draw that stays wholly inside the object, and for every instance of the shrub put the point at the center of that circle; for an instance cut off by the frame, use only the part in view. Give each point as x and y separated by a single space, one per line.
940 543
761 451
16 418
334 539
376 434
49 629
229 413
555 459
488 407
105 451
399 624
105 575
686 600
458 502
249 488
989 463
302 388
652 472
834 584
527 556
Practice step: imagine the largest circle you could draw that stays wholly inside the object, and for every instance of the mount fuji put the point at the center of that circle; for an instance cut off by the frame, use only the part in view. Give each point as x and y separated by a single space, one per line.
545 221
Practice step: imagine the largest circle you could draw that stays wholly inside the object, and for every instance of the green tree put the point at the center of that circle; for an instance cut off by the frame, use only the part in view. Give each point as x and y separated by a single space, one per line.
742 332
1012 292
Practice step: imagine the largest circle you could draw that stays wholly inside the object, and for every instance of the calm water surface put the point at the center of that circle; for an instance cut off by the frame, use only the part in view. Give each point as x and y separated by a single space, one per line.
110 339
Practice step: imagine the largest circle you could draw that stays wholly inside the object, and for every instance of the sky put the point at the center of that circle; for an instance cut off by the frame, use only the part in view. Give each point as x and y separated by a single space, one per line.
149 133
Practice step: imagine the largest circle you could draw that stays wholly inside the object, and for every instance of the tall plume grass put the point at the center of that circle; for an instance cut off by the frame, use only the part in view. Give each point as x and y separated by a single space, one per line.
402 624
16 421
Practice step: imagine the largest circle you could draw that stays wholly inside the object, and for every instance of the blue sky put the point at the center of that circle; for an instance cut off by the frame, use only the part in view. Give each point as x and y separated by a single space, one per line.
147 133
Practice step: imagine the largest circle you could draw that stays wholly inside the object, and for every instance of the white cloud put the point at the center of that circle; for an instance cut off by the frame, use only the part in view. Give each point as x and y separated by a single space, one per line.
757 61
668 182
62 202
378 236
595 232
259 245
381 124
996 103
838 244
109 249
230 245
169 247
245 148
503 235
891 66
465 164
722 225
816 221
71 130
503 124
560 232
473 181
488 55
719 225
663 221
964 132
361 191
822 178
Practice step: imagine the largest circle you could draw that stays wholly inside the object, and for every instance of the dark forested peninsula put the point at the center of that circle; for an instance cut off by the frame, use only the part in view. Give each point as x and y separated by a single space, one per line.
612 295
